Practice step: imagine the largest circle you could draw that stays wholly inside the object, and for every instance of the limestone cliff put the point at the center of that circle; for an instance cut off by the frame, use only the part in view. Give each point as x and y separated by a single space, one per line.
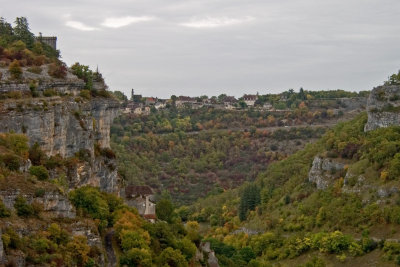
54 203
65 125
383 107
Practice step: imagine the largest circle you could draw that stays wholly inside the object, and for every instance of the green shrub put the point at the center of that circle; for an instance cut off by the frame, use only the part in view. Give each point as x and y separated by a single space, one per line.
172 257
33 89
16 142
83 72
394 167
101 93
314 262
11 161
335 242
11 239
91 202
85 94
391 249
40 172
4 212
108 153
14 94
49 92
36 155
83 155
57 70
57 234
136 257
35 69
132 239
40 192
53 162
15 70
23 208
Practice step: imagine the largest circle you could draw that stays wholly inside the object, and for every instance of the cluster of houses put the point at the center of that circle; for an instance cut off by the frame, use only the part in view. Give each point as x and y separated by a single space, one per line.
139 105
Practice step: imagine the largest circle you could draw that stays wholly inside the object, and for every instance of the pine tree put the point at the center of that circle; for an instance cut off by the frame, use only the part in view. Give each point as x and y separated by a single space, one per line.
22 32
249 200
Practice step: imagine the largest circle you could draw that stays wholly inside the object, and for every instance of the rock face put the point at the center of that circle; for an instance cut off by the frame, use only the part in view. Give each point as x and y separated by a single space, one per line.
324 171
70 86
61 125
66 126
383 107
54 203
212 260
2 253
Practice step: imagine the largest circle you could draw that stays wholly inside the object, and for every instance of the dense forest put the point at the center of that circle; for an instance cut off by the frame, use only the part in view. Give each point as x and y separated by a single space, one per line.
191 164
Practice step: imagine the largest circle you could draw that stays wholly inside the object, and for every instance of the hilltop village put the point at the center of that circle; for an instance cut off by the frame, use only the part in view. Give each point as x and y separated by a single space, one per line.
140 105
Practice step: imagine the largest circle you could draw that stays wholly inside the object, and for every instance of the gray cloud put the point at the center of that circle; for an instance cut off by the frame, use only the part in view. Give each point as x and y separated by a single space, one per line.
216 46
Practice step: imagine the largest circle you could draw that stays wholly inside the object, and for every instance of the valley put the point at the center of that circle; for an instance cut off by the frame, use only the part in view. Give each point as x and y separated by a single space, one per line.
89 177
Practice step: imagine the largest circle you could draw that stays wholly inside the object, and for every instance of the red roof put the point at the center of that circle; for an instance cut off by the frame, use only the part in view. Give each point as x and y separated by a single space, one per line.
150 216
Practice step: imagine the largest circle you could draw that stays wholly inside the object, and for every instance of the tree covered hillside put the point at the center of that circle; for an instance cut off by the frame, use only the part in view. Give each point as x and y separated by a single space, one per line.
355 220
191 164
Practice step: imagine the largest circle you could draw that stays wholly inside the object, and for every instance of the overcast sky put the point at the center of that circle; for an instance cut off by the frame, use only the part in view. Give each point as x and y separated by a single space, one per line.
186 47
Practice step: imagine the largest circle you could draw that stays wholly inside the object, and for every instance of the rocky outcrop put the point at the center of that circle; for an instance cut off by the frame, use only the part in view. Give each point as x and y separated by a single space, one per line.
64 87
383 107
93 238
66 126
209 254
54 203
353 103
246 231
384 192
57 204
355 183
324 171
61 126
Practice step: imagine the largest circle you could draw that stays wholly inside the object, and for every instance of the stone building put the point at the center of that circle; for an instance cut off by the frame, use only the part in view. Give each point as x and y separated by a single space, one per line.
250 100
141 197
49 40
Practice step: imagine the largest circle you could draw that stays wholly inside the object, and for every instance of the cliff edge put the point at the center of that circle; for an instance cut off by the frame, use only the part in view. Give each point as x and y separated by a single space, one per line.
383 107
